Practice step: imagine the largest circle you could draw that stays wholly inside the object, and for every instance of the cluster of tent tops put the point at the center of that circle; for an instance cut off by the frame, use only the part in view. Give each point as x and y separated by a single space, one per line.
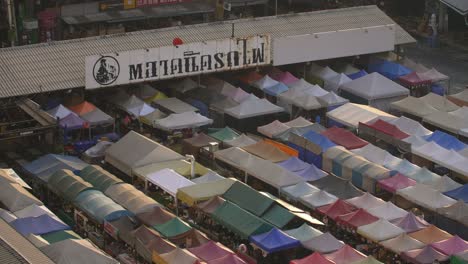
436 110
79 116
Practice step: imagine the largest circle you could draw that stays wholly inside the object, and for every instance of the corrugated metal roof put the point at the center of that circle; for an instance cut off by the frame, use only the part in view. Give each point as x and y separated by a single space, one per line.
61 65
14 248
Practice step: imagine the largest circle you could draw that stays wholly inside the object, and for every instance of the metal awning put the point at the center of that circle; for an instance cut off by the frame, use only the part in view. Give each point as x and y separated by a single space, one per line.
461 6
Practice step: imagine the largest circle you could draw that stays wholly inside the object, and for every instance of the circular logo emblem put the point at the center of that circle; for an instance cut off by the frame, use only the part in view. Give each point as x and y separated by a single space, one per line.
106 70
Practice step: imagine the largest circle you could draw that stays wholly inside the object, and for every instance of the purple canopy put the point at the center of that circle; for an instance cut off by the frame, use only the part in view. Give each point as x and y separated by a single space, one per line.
451 246
72 121
274 240
410 223
324 243
426 255
312 173
38 225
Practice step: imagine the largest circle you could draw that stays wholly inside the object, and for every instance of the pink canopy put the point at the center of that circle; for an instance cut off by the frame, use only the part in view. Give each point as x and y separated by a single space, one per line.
426 255
356 219
415 78
451 246
393 184
410 223
210 251
285 77
340 207
387 128
345 255
344 138
315 258
228 259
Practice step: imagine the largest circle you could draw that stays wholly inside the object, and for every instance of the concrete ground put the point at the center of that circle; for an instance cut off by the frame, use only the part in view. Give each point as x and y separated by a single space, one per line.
449 60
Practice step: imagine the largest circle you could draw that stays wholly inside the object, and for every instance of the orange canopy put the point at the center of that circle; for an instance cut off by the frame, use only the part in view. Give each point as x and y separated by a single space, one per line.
288 150
83 108
250 77
430 234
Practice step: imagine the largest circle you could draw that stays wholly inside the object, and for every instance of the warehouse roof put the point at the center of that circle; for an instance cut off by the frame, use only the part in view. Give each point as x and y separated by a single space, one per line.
61 65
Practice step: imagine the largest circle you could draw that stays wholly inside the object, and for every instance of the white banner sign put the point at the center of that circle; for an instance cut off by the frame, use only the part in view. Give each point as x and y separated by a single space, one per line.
176 61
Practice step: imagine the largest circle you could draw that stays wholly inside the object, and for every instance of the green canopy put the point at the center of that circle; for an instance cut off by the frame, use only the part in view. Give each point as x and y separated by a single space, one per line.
247 198
240 221
60 235
98 177
66 184
278 216
457 260
172 228
223 134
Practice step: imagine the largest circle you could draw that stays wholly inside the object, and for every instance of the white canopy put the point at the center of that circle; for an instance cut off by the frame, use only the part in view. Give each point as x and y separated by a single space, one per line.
145 91
208 177
324 73
318 198
380 230
169 180
183 120
294 192
388 211
307 101
415 141
99 149
35 210
440 103
445 184
240 141
423 175
223 104
435 75
333 84
234 156
429 150
374 86
374 154
300 85
461 96
264 82
298 122
351 114
461 112
141 110
331 99
76 251
273 129
59 111
410 126
402 243
446 121
251 108
175 105
366 201
184 85
413 106
11 176
97 117
425 196
151 118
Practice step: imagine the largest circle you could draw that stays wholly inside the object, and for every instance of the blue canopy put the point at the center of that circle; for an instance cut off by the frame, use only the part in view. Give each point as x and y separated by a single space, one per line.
277 89
47 165
274 240
460 193
357 75
312 173
72 122
389 69
446 141
40 225
319 140
293 164
100 207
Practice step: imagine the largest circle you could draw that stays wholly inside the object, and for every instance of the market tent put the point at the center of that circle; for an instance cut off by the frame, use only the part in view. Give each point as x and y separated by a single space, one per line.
278 216
174 105
82 108
411 223
402 243
99 207
311 173
415 79
424 176
344 138
460 258
39 225
67 185
324 243
14 197
136 107
71 122
183 85
303 233
451 246
181 166
346 254
276 90
331 99
388 211
223 134
248 198
460 193
447 121
204 191
273 129
319 140
387 128
413 106
410 126
9 175
351 114
440 103
415 141
445 184
264 82
357 75
254 107
430 234
250 77
99 178
366 201
211 205
403 166
298 122
389 69
58 236
286 78
374 154
357 218
339 207
274 240
425 196
368 260
181 121
294 164
317 199
446 141
169 181
240 221
46 165
294 192
267 151
460 99
458 212
145 91
35 210
307 101
178 255
315 258
435 75
145 151
148 242
151 118
380 230
240 141
210 251
200 140
208 177
98 150
172 228
76 251
228 259
422 256
334 83
324 74
155 216
234 156
97 117
130 198
336 186
59 112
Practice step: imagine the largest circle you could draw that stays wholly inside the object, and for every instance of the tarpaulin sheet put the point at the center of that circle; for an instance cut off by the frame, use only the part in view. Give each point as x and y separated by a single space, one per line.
344 138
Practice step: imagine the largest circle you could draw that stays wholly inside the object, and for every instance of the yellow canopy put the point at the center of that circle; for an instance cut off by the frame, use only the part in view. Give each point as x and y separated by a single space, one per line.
204 191
159 95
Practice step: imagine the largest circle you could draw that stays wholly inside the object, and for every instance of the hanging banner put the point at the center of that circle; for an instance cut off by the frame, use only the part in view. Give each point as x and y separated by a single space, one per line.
176 61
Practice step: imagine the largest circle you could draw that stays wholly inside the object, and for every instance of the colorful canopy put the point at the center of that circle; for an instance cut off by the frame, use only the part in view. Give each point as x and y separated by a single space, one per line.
274 240
357 75
460 99
99 207
357 218
99 177
294 192
460 193
338 187
387 128
414 79
131 198
267 151
303 233
59 111
426 255
294 164
156 216
446 141
380 230
395 183
72 121
324 243
315 258
368 260
228 259
346 254
240 141
204 191
67 185
388 211
445 184
402 243
172 228
334 83
210 251
178 255
411 223
278 216
285 77
390 69
273 129
430 234
58 236
47 165
451 246
224 134
276 90
76 251
366 201
264 82
39 225
311 173
82 108
439 102
211 205
340 207
208 177
248 198
344 138
331 99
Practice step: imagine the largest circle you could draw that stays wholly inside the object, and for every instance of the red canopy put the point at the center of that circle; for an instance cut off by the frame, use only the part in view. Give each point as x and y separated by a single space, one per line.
388 129
83 108
315 258
393 184
356 219
340 207
250 77
344 138
210 251
414 78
